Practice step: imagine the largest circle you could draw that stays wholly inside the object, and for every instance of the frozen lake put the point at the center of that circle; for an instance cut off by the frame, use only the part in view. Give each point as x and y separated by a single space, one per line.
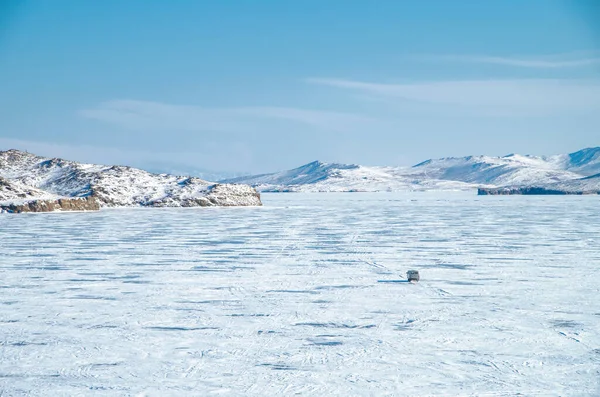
306 295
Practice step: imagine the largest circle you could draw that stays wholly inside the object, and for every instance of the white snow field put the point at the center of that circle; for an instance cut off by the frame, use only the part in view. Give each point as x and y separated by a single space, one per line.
306 296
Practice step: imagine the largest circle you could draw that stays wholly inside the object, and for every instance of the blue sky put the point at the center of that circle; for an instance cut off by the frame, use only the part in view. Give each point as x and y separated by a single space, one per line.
257 86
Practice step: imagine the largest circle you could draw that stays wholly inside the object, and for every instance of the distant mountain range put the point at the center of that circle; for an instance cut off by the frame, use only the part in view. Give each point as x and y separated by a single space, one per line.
33 183
572 173
175 168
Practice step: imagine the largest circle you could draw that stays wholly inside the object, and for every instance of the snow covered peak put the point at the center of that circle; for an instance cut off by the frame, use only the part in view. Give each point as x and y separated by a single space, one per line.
585 161
15 160
16 152
585 156
304 175
334 177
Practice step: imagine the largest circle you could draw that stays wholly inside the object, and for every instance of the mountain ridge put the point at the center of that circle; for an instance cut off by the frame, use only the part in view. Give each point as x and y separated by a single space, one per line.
447 173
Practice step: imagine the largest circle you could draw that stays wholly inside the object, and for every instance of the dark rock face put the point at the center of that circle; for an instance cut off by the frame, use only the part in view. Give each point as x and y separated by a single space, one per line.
62 204
528 190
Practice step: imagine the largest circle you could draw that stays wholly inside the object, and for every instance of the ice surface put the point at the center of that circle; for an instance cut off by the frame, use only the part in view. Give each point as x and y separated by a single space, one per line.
306 295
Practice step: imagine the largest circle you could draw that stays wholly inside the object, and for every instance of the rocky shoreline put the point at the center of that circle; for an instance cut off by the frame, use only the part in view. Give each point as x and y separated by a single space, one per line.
62 204
529 190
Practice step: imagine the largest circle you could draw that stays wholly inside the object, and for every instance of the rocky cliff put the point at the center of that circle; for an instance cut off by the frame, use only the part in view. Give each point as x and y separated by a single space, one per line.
61 204
579 186
528 190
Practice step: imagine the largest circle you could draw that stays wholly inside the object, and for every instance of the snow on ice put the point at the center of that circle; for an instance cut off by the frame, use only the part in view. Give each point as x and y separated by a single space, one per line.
306 295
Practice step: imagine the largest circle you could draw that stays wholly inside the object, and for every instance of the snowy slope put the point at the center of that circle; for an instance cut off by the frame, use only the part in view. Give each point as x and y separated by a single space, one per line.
307 174
15 191
118 185
585 162
512 169
588 184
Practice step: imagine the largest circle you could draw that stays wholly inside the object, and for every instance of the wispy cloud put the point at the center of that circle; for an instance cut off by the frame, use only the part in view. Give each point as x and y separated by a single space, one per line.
533 63
525 97
556 61
147 115
234 157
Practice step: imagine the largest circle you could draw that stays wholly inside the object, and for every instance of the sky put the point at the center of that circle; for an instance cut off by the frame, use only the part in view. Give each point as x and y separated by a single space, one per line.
260 86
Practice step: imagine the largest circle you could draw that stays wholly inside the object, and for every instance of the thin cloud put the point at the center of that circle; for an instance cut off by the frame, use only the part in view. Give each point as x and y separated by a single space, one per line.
525 97
558 61
145 115
233 157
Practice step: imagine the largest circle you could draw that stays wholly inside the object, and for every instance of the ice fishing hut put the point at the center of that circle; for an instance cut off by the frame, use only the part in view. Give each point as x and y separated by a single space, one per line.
412 275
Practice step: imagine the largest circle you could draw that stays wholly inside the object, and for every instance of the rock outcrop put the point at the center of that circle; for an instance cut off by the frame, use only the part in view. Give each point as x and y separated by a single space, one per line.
528 190
587 185
61 204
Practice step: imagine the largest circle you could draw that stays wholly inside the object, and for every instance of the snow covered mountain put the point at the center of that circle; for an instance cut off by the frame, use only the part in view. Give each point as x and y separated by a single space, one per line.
28 177
452 173
585 162
332 177
512 169
25 177
585 185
